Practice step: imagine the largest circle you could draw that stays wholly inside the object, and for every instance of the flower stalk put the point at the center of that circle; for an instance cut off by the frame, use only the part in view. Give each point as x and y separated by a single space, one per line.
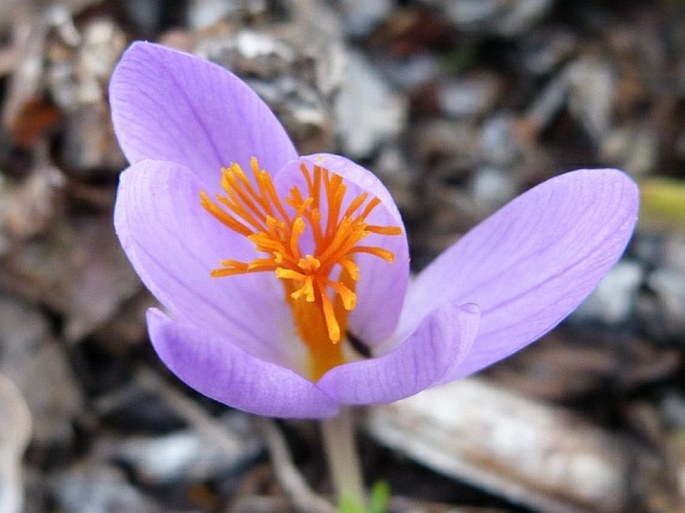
343 460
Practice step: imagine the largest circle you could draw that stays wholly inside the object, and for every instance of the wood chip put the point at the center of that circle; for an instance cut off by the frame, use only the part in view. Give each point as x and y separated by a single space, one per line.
14 436
537 455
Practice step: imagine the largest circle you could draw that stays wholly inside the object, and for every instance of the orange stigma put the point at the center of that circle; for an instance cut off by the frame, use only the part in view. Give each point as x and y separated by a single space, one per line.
319 284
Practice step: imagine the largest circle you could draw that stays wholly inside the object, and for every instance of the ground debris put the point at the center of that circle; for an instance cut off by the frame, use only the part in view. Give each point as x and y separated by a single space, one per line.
540 456
16 434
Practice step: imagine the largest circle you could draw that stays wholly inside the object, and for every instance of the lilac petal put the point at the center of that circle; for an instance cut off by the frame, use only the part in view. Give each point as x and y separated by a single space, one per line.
382 286
532 262
173 244
430 354
168 105
216 367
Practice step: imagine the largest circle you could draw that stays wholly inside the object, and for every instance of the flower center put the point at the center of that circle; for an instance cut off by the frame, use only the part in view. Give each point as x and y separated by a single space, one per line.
320 281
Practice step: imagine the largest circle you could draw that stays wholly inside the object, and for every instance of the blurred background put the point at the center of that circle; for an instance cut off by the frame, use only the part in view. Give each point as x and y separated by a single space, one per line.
458 106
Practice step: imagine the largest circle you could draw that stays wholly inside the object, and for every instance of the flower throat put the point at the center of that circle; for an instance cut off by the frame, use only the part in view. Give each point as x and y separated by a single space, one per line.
319 285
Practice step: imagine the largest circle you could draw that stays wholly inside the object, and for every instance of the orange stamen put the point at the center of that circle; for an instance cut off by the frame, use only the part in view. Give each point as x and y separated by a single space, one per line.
319 286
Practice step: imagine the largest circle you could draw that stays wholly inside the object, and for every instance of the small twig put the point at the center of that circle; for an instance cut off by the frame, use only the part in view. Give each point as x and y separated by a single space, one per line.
8 61
304 499
27 53
203 423
16 434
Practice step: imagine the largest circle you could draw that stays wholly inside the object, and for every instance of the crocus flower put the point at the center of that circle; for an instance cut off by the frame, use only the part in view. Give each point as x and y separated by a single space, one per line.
285 279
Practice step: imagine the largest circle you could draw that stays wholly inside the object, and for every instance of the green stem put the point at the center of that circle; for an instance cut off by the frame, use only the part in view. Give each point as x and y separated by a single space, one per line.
343 460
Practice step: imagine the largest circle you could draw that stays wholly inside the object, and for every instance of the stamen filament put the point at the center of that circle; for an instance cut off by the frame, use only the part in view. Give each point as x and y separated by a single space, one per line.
222 216
351 268
355 204
386 255
307 290
369 207
241 190
234 205
289 274
265 181
298 229
329 315
335 191
384 230
319 302
348 297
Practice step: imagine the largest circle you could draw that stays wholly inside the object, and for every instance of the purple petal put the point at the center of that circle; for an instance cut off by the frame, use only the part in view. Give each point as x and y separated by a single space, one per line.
168 105
216 367
382 286
430 354
173 244
532 262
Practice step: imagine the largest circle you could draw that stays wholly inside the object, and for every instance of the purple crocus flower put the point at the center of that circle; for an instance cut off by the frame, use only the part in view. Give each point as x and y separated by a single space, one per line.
285 278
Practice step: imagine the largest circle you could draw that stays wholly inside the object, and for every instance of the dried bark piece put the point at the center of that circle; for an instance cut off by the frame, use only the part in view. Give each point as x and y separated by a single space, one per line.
538 455
569 364
29 208
38 366
14 437
35 118
94 487
79 260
